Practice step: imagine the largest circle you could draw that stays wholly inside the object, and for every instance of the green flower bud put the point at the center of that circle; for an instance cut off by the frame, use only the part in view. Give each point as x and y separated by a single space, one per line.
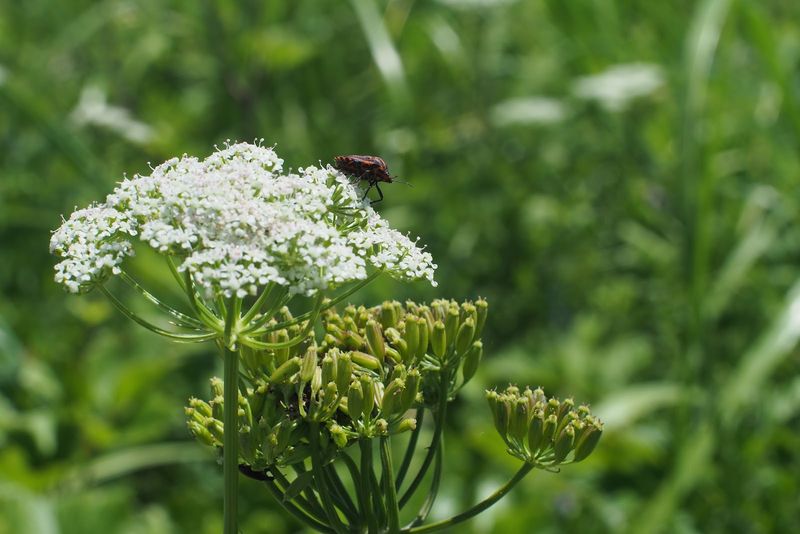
382 427
468 310
336 332
405 425
482 308
402 349
472 360
339 435
411 337
329 367
500 413
353 341
389 316
393 335
587 440
375 344
316 380
422 347
451 322
355 400
284 373
536 433
439 339
368 387
285 314
344 371
393 355
309 364
548 432
365 360
413 380
281 355
200 406
391 402
201 433
217 407
350 322
564 444
216 387
518 424
465 334
399 371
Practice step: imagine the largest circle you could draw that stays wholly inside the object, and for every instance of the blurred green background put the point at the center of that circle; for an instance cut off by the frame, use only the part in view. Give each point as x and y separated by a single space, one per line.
618 178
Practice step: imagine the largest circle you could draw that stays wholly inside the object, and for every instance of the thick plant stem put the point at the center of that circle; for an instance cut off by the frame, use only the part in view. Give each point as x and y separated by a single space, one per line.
230 448
478 508
392 511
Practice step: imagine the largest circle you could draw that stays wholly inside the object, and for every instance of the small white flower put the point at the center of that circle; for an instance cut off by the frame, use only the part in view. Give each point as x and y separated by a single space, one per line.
235 222
618 85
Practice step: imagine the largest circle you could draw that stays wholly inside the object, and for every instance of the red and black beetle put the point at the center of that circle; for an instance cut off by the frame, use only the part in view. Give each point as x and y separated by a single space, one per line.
370 168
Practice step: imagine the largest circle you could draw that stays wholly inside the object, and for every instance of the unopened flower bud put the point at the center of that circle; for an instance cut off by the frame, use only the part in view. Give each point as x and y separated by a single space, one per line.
375 343
564 444
465 334
399 371
329 367
316 380
439 339
382 427
216 387
411 337
391 402
283 373
344 370
482 308
393 355
201 433
309 364
388 315
587 440
472 360
365 360
282 355
548 432
368 387
536 433
518 425
413 380
422 347
451 322
339 435
355 400
500 413
405 425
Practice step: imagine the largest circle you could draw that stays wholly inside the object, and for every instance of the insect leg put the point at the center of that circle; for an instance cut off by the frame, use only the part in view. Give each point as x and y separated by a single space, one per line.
380 193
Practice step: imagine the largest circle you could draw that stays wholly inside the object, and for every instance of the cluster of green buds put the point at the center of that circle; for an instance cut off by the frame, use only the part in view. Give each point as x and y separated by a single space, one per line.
371 370
543 432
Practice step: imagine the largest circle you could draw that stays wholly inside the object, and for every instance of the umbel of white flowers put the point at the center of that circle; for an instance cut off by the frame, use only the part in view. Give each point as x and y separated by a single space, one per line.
237 222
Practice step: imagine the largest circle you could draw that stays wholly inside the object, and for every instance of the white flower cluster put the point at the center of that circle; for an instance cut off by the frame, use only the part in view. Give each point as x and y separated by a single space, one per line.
236 222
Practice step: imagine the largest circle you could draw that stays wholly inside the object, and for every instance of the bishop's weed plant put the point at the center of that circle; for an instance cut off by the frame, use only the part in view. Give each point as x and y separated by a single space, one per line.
311 400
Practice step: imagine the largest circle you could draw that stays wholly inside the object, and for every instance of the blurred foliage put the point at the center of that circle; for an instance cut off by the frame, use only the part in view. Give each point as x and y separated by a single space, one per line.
642 257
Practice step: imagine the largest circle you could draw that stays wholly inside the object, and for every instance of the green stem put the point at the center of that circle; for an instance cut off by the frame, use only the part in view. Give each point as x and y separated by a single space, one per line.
262 298
279 483
347 505
361 492
230 438
181 319
366 483
181 338
321 483
292 342
410 449
392 511
478 508
439 418
294 510
426 507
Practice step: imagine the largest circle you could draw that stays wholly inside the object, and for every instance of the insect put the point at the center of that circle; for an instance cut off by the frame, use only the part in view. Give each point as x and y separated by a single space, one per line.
370 168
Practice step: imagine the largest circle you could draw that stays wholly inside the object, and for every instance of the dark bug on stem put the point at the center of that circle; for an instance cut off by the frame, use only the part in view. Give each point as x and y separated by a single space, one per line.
370 168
